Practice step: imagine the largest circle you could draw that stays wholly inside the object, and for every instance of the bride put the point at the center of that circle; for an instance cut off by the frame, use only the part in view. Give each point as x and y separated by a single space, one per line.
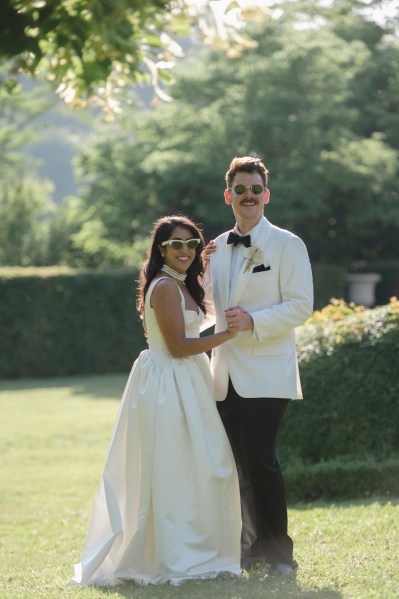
167 507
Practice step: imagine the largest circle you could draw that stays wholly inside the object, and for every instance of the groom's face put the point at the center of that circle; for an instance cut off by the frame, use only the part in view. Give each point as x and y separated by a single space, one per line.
247 206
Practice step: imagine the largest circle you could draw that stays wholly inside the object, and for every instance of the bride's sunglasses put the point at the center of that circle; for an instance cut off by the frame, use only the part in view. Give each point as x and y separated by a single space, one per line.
241 189
177 244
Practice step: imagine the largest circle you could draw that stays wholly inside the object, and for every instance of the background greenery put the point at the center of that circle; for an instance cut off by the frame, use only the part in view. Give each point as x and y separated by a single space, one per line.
348 358
306 100
59 321
315 95
90 50
343 438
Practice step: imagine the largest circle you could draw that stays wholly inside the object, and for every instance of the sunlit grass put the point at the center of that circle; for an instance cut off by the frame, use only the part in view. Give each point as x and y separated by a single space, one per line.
53 441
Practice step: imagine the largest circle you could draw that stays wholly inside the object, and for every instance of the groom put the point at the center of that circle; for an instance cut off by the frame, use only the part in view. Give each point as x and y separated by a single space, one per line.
259 280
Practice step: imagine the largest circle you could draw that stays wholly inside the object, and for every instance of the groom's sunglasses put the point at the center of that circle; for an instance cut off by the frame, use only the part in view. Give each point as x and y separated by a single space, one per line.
177 244
241 189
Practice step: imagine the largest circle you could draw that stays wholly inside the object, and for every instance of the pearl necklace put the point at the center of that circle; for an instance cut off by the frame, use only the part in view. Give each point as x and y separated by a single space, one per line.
173 273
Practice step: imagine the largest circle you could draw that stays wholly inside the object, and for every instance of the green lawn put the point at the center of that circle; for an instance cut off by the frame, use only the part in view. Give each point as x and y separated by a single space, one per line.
53 440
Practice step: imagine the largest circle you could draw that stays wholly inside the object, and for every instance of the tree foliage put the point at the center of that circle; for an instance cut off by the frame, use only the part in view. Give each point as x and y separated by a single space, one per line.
316 101
25 199
94 49
22 202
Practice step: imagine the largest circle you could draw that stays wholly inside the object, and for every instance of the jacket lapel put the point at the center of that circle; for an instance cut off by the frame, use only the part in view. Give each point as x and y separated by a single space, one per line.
240 285
220 265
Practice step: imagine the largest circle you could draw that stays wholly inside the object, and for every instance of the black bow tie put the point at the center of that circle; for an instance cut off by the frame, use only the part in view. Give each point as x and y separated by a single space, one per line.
236 239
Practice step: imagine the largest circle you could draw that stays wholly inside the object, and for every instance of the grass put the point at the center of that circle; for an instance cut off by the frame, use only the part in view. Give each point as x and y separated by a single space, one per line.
53 439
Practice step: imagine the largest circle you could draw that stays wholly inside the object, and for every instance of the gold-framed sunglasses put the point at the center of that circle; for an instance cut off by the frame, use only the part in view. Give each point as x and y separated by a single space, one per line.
240 189
177 244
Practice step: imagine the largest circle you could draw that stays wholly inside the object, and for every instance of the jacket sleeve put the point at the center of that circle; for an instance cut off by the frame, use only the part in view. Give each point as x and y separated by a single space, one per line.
296 292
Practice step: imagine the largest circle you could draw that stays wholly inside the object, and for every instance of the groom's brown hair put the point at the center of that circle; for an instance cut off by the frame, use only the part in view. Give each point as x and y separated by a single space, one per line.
246 164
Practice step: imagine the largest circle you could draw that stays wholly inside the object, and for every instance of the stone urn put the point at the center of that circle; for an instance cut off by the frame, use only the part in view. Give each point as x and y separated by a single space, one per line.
361 287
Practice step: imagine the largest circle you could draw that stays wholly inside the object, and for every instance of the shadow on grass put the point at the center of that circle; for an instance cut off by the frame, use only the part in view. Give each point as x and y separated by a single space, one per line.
255 585
344 503
107 386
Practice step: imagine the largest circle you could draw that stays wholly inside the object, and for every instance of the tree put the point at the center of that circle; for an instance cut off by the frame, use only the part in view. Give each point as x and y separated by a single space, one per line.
25 199
22 203
95 49
320 110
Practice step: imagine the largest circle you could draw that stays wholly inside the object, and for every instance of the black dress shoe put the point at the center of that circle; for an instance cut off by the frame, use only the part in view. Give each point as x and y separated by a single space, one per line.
249 562
282 569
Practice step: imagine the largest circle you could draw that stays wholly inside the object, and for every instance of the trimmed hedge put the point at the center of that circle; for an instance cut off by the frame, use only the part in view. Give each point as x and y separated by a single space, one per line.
349 365
342 480
342 440
56 322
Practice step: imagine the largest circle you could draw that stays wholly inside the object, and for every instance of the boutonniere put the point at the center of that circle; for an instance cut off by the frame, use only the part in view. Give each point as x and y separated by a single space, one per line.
255 257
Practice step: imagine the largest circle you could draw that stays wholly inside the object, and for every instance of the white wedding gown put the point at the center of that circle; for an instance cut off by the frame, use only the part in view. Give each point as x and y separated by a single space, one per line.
167 507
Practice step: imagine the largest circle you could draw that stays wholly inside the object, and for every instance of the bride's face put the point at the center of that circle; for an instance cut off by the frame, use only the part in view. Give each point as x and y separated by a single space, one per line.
181 258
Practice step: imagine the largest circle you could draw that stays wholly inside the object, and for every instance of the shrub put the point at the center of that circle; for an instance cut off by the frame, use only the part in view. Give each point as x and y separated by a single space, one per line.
339 479
349 364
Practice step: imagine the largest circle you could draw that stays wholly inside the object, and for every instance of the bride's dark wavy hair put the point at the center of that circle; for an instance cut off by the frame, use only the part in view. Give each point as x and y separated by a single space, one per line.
162 231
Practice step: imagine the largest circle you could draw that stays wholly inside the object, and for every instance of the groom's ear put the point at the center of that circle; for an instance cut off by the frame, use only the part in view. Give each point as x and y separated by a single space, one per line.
267 196
227 197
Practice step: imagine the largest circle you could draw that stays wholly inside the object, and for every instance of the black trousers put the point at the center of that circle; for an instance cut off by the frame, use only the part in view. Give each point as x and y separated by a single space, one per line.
252 425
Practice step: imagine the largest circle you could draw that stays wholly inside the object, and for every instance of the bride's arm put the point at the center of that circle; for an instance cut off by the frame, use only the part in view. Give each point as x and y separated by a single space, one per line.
166 303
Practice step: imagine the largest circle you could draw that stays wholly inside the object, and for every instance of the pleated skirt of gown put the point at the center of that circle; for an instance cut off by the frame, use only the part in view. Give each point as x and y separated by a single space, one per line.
167 507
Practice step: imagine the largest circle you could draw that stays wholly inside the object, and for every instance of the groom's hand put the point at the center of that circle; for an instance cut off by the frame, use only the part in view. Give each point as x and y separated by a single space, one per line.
209 249
239 318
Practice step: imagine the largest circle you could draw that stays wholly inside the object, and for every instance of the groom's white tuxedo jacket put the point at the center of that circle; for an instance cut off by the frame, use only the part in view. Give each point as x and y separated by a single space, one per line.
274 284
